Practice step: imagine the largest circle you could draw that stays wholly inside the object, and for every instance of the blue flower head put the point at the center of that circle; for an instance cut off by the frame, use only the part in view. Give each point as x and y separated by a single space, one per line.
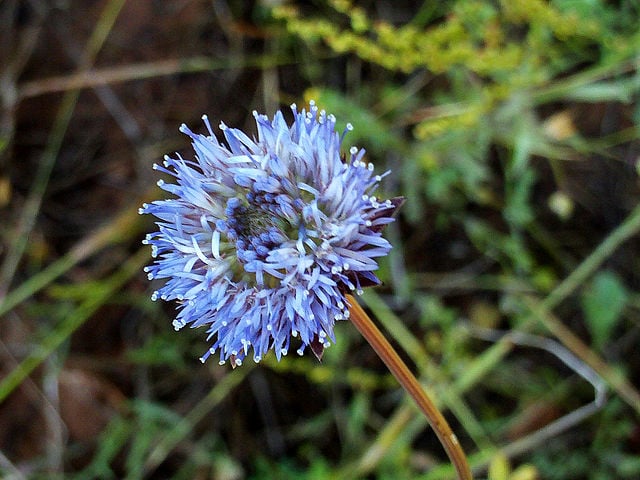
265 237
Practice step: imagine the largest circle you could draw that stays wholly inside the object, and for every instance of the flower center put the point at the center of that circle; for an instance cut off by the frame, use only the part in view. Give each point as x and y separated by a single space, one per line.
255 231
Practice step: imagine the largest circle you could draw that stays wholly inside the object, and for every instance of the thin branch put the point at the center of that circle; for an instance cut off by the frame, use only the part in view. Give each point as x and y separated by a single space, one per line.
399 369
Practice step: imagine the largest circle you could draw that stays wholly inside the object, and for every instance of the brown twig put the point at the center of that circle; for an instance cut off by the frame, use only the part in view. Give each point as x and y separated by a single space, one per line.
399 369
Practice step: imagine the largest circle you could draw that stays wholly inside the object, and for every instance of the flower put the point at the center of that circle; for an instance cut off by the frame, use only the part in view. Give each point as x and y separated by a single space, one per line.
265 237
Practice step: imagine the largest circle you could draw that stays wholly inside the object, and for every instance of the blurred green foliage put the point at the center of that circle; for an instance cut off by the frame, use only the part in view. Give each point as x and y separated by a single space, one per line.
486 69
475 105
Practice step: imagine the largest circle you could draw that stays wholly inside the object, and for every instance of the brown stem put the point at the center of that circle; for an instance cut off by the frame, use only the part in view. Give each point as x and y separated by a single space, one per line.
399 369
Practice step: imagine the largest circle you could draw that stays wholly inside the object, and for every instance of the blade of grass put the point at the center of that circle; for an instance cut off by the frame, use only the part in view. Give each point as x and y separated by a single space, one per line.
122 228
614 379
412 346
30 211
52 340
141 71
185 426
490 358
393 324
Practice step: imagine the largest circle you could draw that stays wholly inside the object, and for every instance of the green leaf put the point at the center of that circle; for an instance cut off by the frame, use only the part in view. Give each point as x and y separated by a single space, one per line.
603 303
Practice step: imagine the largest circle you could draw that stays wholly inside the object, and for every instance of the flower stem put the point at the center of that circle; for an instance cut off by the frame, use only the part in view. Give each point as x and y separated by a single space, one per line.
399 369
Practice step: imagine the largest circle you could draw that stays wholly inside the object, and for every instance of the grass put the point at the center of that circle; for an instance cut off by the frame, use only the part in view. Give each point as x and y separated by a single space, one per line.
512 289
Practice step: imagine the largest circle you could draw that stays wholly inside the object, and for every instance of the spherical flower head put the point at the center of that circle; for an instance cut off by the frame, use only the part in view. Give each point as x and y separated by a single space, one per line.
265 237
